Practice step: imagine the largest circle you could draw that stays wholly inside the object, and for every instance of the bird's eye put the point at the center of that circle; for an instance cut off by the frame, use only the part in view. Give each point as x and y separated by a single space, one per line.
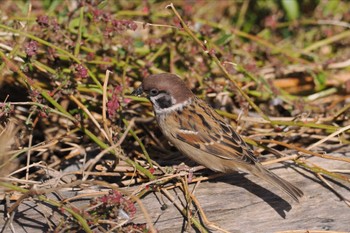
153 92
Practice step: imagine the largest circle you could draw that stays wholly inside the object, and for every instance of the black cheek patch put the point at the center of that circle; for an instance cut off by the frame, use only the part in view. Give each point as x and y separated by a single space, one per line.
164 102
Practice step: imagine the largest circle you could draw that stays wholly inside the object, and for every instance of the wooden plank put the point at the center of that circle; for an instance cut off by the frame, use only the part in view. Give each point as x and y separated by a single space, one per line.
235 202
239 203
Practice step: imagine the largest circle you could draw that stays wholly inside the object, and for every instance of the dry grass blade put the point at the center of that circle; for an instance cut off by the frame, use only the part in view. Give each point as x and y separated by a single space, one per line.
343 129
346 200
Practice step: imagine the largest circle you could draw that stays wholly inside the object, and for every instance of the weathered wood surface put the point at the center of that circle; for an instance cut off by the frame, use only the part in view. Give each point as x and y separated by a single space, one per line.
237 203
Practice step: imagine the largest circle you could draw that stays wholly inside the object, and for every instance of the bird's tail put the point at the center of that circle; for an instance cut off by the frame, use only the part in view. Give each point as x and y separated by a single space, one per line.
278 182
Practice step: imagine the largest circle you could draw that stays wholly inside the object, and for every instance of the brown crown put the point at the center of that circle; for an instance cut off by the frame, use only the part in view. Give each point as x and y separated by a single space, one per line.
169 83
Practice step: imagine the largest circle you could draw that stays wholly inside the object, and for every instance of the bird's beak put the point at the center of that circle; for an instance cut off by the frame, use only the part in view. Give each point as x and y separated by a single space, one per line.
138 91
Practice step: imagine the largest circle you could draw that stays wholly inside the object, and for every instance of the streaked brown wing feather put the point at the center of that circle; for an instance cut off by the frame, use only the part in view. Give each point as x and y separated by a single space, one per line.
207 131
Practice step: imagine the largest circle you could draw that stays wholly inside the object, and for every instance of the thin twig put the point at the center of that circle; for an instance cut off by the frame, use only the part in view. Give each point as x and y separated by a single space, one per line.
92 162
346 200
343 129
104 107
87 111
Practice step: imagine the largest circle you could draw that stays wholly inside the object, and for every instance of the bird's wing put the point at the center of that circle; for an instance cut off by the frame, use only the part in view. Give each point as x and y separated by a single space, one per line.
200 126
204 129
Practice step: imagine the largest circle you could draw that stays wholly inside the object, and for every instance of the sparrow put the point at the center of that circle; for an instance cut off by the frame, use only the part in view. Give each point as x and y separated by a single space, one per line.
198 132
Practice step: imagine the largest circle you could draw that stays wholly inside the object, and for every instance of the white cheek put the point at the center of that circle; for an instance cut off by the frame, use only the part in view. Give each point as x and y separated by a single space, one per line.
155 103
156 106
161 95
174 107
173 101
153 100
